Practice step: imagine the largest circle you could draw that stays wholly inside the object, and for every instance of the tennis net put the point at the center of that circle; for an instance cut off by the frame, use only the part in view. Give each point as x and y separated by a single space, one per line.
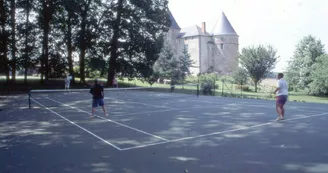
55 97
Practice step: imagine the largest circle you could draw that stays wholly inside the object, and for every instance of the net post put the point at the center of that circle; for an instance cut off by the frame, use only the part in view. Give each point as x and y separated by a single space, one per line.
198 90
222 87
241 88
214 87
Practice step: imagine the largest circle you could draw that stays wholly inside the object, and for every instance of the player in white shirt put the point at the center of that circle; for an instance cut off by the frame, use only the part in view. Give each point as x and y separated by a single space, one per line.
115 83
281 93
68 81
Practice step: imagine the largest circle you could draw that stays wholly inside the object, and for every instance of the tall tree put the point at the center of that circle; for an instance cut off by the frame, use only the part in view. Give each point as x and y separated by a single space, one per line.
82 38
170 66
67 19
319 76
167 64
88 13
27 30
114 43
305 55
185 64
4 38
46 13
13 39
258 61
136 29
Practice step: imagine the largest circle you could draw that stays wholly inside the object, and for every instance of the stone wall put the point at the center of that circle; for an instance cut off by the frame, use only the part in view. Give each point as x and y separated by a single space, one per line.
192 44
226 56
218 53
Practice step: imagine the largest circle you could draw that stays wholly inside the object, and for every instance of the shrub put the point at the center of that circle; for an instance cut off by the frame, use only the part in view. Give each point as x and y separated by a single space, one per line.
76 71
243 87
207 88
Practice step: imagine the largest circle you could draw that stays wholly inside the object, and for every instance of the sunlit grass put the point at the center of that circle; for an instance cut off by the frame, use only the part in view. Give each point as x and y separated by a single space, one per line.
223 89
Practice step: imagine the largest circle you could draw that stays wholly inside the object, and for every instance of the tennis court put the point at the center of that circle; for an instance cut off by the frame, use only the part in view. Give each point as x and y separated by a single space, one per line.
150 131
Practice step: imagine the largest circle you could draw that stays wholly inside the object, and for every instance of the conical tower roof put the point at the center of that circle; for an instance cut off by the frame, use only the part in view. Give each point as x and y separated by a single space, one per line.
224 26
174 24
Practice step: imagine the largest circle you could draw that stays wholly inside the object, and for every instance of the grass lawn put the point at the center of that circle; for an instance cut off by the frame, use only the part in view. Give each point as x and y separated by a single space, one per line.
224 89
264 92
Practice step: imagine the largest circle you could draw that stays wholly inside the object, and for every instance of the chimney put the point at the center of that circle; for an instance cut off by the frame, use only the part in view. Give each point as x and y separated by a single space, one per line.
204 27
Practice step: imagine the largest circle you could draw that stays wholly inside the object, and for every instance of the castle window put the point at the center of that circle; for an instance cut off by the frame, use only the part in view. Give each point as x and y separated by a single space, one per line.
221 45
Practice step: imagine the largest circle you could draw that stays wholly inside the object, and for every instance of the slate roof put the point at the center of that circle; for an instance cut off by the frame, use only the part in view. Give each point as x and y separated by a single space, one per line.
174 24
224 26
193 30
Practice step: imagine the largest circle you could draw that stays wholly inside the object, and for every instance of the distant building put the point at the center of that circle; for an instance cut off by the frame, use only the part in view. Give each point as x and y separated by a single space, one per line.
211 52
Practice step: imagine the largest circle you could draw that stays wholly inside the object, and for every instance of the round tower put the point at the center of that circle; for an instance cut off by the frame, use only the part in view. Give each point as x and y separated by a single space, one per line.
227 46
173 35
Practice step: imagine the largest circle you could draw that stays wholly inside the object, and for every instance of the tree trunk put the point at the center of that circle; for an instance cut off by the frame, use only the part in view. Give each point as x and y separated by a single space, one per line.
3 54
69 45
256 82
82 53
48 8
82 63
83 42
13 40
4 63
114 45
7 71
25 74
42 69
46 51
26 66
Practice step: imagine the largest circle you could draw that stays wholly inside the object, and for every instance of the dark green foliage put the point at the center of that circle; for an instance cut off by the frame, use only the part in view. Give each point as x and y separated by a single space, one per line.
240 76
137 34
27 44
66 19
43 30
13 47
4 40
319 76
207 87
96 67
300 66
167 64
58 66
258 61
46 10
171 67
88 11
184 64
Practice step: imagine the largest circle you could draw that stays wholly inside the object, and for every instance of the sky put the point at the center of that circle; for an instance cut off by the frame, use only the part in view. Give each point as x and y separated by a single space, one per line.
281 23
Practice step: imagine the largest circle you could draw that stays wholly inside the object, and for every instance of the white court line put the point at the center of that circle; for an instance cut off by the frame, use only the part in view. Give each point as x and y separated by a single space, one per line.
168 110
78 126
121 101
146 112
221 132
109 120
245 104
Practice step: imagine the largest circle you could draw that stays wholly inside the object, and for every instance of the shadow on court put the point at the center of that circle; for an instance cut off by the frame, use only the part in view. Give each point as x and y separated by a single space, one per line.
205 135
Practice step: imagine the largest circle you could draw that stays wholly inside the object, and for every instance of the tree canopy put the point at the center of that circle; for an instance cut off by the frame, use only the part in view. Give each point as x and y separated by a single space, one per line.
171 66
124 36
305 56
319 76
258 61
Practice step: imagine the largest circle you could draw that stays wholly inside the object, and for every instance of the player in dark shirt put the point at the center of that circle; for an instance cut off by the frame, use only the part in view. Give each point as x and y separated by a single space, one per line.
97 92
